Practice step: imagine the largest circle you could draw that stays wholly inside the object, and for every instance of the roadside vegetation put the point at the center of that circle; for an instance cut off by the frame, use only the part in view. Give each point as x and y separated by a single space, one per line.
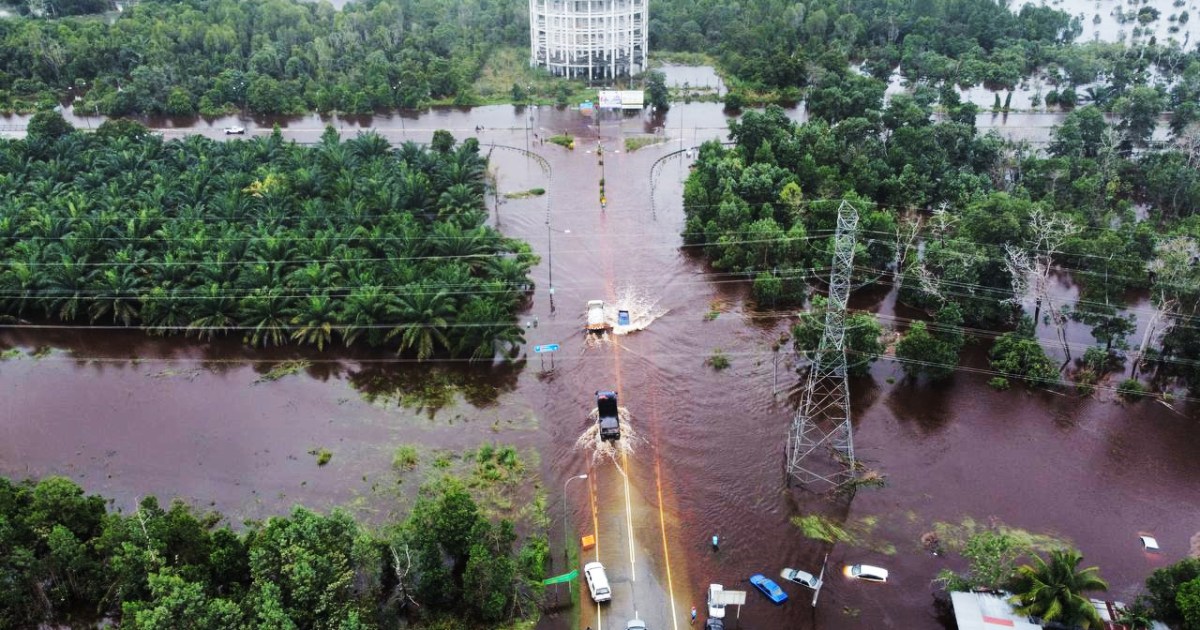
70 562
973 229
268 241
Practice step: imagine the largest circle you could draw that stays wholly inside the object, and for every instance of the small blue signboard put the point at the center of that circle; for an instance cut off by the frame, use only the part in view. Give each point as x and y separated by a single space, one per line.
622 318
549 347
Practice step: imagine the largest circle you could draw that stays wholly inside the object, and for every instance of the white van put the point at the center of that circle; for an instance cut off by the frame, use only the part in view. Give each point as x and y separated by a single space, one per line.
597 582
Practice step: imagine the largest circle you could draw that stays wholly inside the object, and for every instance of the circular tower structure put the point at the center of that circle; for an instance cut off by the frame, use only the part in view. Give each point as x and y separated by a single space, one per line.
592 39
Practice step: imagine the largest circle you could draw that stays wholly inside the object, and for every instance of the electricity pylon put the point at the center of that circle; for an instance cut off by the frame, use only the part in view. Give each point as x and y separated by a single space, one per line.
821 443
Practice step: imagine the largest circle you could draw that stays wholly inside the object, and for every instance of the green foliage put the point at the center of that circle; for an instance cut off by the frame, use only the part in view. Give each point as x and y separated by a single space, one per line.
993 555
1131 389
68 563
718 360
636 142
264 56
1164 587
563 140
1017 354
1055 590
322 454
405 457
1188 600
191 237
863 332
933 352
47 126
656 91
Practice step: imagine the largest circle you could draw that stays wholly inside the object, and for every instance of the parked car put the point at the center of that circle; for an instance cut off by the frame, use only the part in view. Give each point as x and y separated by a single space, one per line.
715 610
235 131
714 624
597 582
865 572
803 578
635 624
768 588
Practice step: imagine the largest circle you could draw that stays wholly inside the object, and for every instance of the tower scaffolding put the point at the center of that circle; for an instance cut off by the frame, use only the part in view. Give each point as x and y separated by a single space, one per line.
820 447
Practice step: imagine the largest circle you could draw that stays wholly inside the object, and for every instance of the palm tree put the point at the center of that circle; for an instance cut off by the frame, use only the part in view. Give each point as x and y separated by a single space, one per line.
425 315
215 311
266 316
315 320
1054 590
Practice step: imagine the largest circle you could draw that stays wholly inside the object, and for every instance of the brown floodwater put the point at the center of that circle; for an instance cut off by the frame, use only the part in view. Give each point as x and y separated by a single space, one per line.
128 415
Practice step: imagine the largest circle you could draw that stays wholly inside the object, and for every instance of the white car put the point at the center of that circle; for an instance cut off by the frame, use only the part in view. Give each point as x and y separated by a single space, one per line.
597 582
595 316
635 624
865 572
235 131
715 611
803 578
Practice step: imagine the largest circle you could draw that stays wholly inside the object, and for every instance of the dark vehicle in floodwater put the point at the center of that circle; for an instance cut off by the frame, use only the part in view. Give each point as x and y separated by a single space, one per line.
610 423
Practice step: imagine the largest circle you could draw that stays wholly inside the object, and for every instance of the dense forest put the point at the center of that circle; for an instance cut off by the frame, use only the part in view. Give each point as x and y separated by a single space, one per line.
264 56
283 56
66 561
974 229
353 242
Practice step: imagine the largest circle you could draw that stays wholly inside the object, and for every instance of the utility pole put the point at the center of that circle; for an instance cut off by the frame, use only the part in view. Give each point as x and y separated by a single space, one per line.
823 420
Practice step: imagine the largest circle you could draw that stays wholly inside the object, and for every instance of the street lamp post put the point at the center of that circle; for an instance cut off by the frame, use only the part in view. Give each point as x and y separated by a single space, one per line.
566 534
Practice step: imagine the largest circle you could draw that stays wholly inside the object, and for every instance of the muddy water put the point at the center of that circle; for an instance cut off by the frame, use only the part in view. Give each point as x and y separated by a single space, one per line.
128 416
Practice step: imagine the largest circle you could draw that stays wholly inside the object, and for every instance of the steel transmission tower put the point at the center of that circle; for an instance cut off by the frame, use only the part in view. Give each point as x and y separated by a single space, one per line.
821 444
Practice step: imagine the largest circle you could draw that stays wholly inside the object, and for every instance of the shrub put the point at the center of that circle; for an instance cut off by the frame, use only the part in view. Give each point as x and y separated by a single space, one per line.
405 457
1131 389
563 140
999 383
718 361
323 455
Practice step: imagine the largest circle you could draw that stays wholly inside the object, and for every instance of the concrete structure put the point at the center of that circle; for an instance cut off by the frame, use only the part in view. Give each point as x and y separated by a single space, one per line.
592 39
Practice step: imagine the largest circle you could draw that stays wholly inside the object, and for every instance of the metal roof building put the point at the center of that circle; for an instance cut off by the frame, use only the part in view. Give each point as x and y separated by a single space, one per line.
592 39
985 611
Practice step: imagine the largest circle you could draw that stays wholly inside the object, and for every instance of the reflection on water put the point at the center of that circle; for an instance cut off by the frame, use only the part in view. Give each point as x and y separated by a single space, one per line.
430 388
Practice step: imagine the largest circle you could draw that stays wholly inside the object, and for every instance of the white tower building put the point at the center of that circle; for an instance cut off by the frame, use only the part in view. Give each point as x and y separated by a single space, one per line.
593 39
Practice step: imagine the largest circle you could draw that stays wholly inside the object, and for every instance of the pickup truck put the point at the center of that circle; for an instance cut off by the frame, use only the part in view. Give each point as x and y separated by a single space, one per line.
609 421
595 316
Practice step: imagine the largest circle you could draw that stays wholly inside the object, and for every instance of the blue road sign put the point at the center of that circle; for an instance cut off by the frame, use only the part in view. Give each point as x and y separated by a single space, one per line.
550 347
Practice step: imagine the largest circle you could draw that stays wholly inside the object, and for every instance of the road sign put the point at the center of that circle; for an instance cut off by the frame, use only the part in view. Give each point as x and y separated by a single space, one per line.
549 347
566 577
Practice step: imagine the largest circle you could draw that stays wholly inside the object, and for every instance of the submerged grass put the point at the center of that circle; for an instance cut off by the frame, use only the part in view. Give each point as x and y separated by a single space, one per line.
322 454
287 368
857 533
637 142
525 194
405 457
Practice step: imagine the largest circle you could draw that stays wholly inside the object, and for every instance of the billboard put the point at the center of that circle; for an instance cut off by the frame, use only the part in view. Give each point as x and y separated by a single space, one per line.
622 99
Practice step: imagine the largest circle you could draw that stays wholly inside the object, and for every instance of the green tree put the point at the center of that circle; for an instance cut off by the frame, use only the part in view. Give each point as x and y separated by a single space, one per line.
1164 586
47 125
863 332
1018 354
656 91
993 555
1055 590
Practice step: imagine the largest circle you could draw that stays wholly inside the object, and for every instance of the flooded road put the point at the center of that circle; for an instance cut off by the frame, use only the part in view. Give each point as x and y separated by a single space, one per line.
128 415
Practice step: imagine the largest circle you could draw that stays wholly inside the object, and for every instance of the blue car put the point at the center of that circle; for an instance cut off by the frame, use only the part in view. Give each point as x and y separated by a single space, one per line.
768 588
